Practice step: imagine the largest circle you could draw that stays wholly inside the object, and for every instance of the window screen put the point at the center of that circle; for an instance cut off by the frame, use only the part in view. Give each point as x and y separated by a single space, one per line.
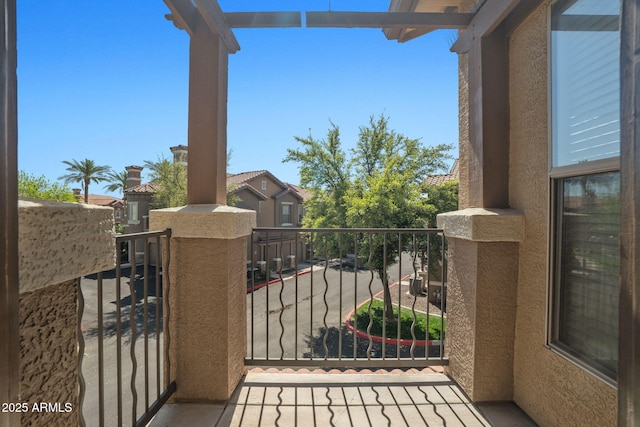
589 267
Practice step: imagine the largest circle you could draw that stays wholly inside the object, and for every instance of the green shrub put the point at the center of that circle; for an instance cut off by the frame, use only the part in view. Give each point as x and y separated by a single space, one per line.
406 319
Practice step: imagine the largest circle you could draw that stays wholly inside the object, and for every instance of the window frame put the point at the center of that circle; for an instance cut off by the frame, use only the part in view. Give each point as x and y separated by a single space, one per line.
556 175
130 209
290 205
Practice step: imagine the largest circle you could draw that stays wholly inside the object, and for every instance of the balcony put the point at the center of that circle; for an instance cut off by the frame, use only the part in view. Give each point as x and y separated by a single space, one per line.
127 365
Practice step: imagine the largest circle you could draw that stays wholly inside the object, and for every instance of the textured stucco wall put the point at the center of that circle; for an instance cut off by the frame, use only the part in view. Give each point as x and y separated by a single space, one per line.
553 391
481 313
207 298
207 321
463 129
461 310
63 241
48 353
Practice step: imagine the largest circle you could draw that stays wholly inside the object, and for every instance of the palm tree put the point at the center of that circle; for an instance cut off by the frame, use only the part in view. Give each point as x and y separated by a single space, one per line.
85 172
117 180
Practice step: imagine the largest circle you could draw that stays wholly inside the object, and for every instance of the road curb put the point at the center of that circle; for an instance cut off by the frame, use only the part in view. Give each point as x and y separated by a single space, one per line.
376 338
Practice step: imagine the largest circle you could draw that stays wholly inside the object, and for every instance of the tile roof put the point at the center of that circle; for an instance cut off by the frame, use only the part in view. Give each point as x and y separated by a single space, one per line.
100 200
240 181
143 188
243 177
453 175
303 192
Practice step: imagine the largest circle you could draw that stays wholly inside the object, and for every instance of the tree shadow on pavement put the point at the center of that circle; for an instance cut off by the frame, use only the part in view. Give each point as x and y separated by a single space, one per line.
327 342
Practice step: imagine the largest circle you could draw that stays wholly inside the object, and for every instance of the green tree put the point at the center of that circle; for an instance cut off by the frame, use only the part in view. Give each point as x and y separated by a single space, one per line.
378 186
86 172
170 179
39 187
117 181
443 198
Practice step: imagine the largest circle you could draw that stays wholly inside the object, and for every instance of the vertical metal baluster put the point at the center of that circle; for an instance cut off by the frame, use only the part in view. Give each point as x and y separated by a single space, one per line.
157 316
324 296
369 347
166 306
82 385
267 300
295 323
413 305
427 346
385 285
355 297
442 297
100 352
253 286
340 303
398 335
132 325
119 328
311 301
146 323
280 295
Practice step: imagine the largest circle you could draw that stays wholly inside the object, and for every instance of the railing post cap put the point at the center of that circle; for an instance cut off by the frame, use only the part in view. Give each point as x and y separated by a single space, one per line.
204 221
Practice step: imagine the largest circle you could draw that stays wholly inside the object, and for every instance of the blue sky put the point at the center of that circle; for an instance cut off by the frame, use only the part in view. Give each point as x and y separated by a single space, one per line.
108 81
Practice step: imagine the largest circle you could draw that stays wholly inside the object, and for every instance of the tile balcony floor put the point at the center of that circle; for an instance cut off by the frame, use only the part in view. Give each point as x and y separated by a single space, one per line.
414 398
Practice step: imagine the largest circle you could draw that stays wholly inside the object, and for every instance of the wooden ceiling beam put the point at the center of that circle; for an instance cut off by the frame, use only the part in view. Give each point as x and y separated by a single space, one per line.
264 19
183 14
387 20
214 17
487 19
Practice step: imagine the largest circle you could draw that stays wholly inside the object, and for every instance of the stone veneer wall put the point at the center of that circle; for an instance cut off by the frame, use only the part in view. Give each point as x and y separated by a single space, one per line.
48 355
552 390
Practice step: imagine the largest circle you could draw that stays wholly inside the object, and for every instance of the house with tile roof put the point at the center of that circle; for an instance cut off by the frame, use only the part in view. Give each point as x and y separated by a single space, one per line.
276 203
102 200
453 175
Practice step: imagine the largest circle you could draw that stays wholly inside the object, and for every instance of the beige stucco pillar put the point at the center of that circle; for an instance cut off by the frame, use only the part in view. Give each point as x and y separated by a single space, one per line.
481 299
207 298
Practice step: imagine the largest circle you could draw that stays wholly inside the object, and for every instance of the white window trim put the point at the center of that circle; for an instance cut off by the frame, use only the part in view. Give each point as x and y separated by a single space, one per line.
290 204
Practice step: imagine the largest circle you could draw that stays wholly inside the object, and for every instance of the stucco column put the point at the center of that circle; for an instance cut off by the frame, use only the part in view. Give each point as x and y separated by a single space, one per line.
208 69
207 298
481 299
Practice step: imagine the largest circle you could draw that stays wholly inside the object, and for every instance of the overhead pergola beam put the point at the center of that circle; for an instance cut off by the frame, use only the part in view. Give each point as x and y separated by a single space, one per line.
183 14
214 17
264 19
388 20
487 19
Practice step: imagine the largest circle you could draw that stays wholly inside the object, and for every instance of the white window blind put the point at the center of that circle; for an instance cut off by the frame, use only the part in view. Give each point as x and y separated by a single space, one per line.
585 80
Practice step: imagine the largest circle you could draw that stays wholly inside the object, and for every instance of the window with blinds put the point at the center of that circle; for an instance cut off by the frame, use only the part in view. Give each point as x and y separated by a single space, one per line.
585 177
585 81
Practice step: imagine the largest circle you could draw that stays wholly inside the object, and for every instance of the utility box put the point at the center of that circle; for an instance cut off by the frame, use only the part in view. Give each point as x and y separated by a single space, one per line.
415 286
276 263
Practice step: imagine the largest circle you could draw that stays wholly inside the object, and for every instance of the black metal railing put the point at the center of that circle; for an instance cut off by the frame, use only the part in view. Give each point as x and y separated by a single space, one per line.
346 297
123 313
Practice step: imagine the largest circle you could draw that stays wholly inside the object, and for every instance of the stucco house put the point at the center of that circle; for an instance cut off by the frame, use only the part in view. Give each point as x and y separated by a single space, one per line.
453 175
102 200
276 203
